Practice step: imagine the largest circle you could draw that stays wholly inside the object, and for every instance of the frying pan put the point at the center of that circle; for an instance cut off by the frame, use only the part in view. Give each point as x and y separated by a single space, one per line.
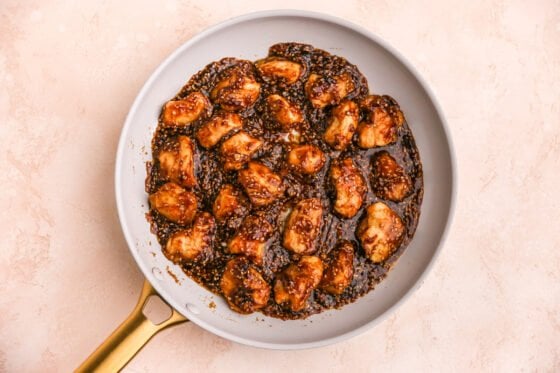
249 37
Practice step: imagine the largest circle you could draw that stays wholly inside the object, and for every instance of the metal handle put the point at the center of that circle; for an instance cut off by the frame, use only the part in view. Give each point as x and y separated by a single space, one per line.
129 338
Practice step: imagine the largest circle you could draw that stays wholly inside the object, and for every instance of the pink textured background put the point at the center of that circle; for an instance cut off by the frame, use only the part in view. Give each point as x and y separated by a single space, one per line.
68 74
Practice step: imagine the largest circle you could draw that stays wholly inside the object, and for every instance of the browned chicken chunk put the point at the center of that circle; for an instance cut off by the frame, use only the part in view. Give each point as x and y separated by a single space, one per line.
238 90
283 111
185 111
295 284
238 150
176 163
303 226
349 185
276 68
306 159
261 184
339 269
217 127
175 203
379 130
194 243
322 91
243 286
380 232
229 203
342 125
390 180
250 239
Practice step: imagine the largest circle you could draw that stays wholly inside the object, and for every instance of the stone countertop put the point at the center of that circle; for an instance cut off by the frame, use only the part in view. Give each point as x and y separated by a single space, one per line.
69 72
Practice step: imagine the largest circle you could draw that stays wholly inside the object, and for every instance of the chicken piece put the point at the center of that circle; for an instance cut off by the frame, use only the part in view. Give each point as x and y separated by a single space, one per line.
340 269
229 203
185 111
390 180
177 163
380 232
276 68
175 203
238 150
284 112
342 125
250 239
380 130
303 226
322 91
295 284
349 185
194 243
261 184
220 125
238 90
387 103
243 286
306 159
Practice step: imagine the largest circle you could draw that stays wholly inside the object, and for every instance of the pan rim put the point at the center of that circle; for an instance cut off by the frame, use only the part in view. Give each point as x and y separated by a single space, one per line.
277 14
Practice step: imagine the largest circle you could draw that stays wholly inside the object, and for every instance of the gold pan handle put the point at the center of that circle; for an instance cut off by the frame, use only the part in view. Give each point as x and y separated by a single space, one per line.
129 338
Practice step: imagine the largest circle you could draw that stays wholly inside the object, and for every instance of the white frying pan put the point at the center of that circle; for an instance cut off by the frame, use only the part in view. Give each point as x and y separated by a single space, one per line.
249 37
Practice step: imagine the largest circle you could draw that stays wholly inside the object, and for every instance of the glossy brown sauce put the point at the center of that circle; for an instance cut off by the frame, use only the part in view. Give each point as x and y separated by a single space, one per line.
211 177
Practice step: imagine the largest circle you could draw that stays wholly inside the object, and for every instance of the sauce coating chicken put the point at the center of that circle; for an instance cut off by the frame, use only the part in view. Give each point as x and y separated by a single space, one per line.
390 180
380 232
342 125
294 285
339 269
217 127
238 150
238 90
283 111
349 185
323 91
306 159
303 226
184 112
261 184
175 203
243 286
275 68
250 239
177 163
383 120
229 203
194 243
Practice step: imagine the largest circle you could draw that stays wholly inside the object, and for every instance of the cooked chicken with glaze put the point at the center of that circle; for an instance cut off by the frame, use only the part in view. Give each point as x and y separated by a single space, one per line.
217 127
194 243
306 159
380 232
303 226
238 90
339 269
390 180
342 125
177 163
275 68
349 185
283 111
250 239
261 177
261 184
243 286
323 91
238 150
175 203
229 203
185 111
295 284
